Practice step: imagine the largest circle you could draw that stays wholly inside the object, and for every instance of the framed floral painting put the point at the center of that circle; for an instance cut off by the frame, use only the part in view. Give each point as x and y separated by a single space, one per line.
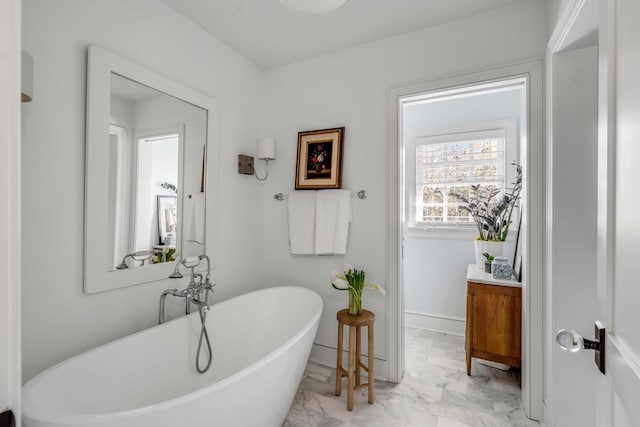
319 163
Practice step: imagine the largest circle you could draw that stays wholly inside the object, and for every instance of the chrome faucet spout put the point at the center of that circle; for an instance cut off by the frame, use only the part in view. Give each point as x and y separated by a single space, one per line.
163 297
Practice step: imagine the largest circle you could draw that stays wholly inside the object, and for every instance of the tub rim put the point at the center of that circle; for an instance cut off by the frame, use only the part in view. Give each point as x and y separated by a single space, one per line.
80 419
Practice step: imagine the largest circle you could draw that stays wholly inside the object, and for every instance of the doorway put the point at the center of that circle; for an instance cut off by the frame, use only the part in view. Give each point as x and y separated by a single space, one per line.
453 141
422 226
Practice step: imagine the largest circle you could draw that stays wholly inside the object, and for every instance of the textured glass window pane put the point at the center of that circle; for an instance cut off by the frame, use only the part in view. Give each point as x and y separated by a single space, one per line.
432 194
442 168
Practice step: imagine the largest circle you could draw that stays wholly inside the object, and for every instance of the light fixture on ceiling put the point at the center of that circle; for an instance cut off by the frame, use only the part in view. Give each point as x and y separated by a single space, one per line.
314 6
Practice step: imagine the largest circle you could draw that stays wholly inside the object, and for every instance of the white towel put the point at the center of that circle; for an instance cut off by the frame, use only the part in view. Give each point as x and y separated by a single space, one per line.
195 225
333 213
302 217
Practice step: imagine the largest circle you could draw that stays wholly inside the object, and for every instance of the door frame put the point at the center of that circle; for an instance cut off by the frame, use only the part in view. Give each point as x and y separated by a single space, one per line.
10 224
533 155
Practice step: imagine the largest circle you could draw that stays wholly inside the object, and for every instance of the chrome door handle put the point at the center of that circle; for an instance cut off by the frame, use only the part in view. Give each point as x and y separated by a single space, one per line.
573 342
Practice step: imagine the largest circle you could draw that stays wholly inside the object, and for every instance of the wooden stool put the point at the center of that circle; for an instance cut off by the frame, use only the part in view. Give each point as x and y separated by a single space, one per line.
354 363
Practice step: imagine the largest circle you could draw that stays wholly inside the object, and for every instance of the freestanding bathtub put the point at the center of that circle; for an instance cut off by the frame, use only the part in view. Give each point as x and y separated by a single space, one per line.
261 342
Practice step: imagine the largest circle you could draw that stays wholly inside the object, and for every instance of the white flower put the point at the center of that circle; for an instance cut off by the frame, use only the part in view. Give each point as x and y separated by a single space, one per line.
379 289
340 283
347 268
337 275
154 258
165 250
320 158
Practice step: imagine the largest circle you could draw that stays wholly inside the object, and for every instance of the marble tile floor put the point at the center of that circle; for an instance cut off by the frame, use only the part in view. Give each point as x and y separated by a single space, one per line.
435 392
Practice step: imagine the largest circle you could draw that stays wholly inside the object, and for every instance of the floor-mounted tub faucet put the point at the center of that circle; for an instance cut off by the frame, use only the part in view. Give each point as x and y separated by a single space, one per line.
198 284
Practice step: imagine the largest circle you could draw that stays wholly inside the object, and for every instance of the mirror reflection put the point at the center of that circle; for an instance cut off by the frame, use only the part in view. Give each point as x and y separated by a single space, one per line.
147 140
156 175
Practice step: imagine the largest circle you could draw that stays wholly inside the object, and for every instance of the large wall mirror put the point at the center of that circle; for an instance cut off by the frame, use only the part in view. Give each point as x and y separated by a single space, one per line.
146 158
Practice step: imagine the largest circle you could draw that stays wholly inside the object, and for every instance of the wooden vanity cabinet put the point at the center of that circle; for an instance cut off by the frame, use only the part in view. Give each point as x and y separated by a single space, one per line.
494 319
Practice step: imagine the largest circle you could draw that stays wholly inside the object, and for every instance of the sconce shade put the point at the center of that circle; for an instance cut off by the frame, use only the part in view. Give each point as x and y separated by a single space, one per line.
314 6
267 148
27 77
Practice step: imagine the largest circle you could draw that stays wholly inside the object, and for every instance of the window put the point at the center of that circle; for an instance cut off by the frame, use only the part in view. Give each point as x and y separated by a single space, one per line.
451 160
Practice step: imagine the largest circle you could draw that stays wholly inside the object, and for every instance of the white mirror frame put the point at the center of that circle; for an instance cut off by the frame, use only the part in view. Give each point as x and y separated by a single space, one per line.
101 63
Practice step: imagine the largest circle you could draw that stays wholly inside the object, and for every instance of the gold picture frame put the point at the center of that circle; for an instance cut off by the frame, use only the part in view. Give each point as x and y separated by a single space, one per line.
319 163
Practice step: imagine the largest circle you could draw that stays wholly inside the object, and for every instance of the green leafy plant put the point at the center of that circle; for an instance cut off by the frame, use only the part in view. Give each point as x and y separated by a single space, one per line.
491 212
488 256
165 255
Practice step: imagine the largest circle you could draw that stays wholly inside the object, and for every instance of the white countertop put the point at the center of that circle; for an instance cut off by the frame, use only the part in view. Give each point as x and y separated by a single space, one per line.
477 274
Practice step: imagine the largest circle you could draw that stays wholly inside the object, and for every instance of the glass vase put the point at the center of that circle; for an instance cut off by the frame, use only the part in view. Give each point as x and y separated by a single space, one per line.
355 302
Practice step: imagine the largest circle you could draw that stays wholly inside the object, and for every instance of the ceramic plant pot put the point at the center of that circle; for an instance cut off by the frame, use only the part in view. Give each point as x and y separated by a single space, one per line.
491 247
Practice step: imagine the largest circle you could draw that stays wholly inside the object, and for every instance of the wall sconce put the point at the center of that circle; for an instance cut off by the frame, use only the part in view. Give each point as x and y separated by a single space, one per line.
266 152
27 77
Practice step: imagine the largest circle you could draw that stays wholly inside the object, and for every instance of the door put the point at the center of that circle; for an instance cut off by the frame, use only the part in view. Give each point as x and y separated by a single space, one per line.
615 394
573 231
619 204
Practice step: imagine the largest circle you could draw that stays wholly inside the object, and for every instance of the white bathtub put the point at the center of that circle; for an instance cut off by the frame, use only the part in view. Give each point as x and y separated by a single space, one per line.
261 342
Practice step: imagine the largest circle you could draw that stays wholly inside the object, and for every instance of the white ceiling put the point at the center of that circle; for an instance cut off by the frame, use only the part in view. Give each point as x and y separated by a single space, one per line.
271 35
131 90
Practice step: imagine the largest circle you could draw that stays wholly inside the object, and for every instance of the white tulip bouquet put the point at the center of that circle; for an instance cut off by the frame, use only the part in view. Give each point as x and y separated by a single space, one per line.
352 280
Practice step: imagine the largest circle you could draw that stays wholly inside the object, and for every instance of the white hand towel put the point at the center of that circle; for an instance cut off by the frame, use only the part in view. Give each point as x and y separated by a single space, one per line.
302 214
195 224
333 213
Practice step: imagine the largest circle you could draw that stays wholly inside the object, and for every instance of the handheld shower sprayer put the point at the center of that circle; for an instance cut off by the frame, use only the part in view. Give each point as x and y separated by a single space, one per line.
191 262
141 256
192 294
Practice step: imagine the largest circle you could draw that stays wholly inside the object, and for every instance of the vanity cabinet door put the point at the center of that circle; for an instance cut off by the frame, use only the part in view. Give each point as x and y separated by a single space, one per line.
494 323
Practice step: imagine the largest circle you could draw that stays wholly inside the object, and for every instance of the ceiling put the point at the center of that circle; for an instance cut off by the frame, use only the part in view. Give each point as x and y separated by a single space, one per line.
271 35
130 90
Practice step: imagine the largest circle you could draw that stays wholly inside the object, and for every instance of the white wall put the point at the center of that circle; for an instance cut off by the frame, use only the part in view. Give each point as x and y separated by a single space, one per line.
349 88
59 320
10 274
435 268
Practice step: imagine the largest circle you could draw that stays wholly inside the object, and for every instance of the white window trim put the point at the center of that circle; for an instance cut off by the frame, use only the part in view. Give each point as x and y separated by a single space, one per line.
505 127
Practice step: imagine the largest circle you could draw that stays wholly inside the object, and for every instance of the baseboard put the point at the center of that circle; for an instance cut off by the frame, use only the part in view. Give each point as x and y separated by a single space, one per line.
435 322
326 356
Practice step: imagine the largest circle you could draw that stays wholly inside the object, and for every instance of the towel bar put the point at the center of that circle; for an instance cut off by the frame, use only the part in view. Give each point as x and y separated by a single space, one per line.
362 194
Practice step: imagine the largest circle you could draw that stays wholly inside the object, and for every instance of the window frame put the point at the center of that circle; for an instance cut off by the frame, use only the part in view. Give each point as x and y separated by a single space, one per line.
475 130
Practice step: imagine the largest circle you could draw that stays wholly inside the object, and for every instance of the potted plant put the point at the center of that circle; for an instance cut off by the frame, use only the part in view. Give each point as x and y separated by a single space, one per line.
487 262
491 214
352 280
